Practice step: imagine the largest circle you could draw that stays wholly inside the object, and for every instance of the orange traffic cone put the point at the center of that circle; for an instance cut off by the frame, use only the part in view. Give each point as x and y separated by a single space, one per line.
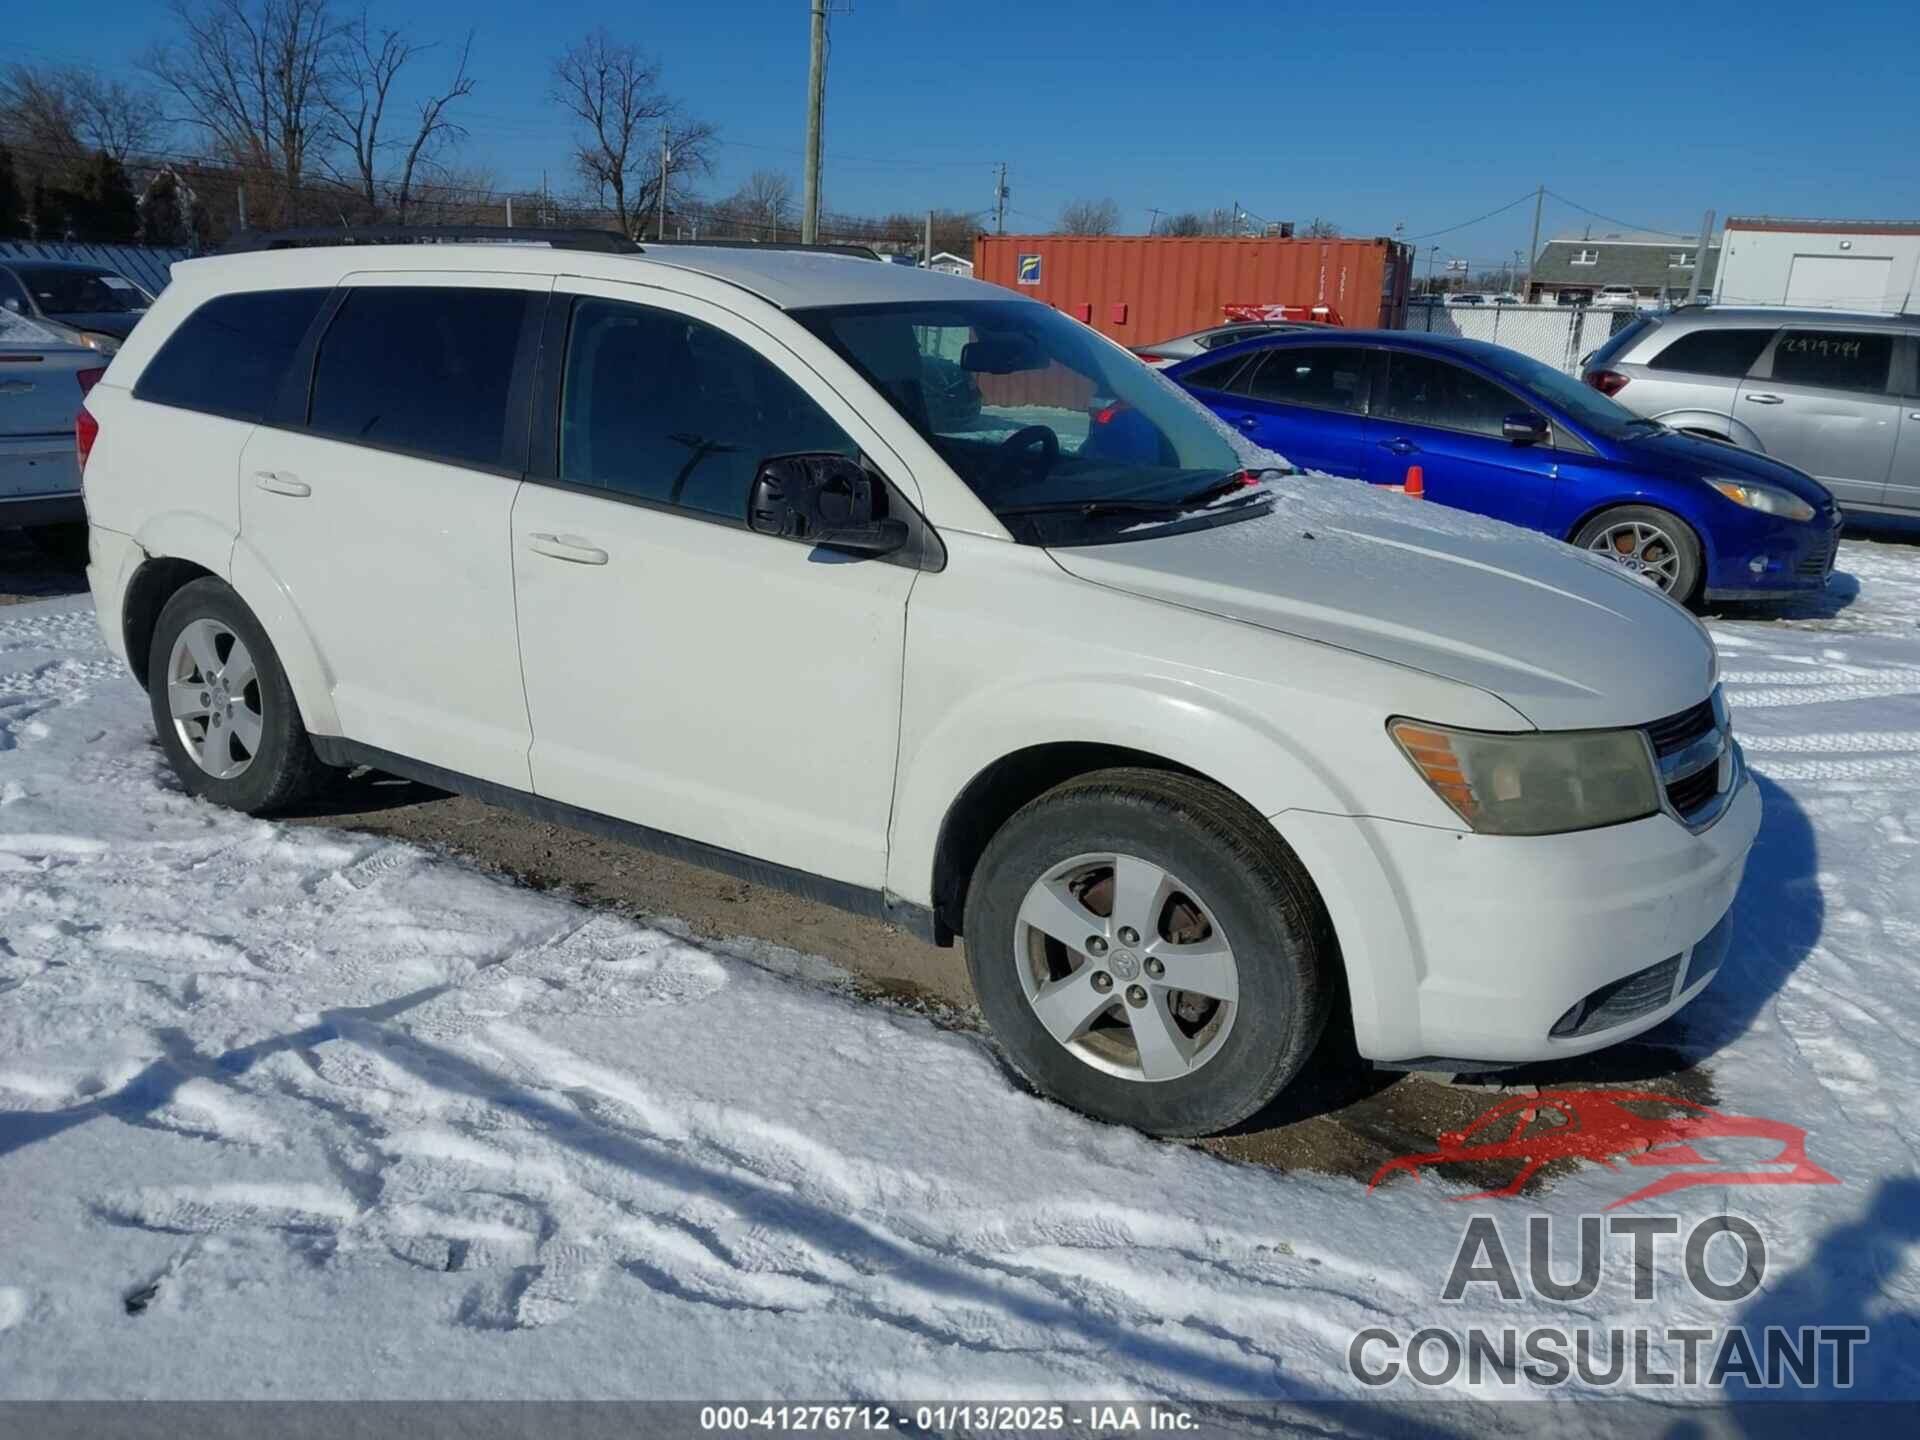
1416 485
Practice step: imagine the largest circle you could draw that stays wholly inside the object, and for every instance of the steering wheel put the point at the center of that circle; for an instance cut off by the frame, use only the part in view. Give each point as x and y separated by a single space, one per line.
1033 448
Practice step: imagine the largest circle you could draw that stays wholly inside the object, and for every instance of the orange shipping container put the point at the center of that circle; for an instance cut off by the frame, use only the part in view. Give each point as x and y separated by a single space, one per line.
1140 289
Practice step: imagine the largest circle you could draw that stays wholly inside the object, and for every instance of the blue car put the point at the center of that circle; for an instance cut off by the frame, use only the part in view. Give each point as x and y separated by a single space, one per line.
1501 434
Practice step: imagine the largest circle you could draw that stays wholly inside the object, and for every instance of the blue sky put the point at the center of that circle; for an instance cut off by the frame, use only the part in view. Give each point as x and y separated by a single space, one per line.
1368 115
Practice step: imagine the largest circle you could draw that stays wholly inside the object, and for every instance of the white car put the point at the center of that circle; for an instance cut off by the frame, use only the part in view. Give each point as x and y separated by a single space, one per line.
670 546
1616 297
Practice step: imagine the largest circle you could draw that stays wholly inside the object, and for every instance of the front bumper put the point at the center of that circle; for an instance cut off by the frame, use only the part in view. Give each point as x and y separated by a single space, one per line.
1792 556
1474 947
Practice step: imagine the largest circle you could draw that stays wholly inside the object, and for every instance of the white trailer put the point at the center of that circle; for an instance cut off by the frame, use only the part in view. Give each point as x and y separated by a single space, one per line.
1825 264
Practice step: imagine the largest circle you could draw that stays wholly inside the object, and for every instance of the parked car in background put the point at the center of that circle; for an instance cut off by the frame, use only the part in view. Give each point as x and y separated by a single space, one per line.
1833 393
1507 297
1136 737
1467 297
1615 297
88 304
1502 434
1183 347
43 379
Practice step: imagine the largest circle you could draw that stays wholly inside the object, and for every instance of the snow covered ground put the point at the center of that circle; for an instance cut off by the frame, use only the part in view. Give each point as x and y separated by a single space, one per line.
288 1112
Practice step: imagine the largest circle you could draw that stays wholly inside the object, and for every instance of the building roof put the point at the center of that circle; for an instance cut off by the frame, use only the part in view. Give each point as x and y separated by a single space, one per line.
1823 227
1625 257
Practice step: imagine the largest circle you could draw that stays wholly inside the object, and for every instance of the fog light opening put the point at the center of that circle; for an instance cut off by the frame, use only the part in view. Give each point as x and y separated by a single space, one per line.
1758 565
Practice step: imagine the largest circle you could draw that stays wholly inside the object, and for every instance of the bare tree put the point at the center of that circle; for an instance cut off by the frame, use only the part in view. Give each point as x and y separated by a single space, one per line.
1187 222
613 90
64 114
1318 229
367 65
764 203
255 76
1090 217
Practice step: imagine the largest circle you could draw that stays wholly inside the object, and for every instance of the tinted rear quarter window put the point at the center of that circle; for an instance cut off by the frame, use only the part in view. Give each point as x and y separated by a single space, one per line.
1728 353
424 370
1834 359
229 356
1216 376
1618 342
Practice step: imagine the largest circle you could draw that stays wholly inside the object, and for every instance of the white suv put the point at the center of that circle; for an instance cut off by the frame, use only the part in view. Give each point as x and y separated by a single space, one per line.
679 547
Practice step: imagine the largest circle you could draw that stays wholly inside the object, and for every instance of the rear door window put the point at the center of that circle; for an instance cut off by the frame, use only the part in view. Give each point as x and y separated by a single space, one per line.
1616 344
1320 377
425 370
229 356
1729 353
665 408
1834 359
1424 391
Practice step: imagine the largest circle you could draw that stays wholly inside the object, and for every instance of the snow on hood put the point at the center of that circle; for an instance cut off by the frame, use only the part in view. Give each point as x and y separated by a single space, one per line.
1568 640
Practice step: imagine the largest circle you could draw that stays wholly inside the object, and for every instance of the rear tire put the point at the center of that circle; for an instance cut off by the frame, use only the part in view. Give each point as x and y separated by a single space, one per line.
224 711
1654 545
1102 1024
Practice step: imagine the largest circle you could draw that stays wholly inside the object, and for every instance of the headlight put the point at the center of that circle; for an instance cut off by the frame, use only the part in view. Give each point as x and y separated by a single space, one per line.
1764 498
1533 784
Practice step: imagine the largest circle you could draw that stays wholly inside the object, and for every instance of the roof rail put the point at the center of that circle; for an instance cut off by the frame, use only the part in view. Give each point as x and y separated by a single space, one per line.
859 252
610 242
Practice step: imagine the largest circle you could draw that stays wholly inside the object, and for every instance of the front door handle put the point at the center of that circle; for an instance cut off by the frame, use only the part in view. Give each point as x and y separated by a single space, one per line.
1248 422
279 482
567 547
1399 446
1764 399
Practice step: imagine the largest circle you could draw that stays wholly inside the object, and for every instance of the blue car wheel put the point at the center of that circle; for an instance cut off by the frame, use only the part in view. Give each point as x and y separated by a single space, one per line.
1652 544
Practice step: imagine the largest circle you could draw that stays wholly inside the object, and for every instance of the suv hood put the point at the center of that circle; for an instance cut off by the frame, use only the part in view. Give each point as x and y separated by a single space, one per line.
1569 642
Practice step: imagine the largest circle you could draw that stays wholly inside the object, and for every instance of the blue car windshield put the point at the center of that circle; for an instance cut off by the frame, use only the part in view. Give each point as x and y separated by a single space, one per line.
1580 403
1037 413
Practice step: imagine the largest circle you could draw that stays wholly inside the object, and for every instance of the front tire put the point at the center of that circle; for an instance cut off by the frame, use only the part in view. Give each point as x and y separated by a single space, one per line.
224 711
1148 951
1651 544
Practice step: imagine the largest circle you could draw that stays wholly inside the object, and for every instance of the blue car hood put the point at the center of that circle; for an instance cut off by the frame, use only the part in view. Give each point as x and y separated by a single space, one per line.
1690 457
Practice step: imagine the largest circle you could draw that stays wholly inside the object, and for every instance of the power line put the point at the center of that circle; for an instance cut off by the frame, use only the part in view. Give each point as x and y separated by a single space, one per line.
1449 229
1615 220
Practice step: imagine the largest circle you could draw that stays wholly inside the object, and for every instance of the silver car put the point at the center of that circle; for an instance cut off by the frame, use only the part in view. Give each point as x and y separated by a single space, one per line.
1198 342
1834 393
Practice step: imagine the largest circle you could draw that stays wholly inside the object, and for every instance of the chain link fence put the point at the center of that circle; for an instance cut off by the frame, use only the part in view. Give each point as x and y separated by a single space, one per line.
1557 335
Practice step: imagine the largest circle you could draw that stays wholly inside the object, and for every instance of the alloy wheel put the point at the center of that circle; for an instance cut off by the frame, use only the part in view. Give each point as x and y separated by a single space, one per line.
1645 551
213 694
1126 966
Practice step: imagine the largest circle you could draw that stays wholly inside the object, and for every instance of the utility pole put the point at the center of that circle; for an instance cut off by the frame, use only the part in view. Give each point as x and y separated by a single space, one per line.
926 248
1533 250
509 212
240 195
816 107
1000 202
1154 223
666 167
1700 257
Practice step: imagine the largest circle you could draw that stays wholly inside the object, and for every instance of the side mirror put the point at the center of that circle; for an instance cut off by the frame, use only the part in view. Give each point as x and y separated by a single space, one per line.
823 499
1526 428
12 304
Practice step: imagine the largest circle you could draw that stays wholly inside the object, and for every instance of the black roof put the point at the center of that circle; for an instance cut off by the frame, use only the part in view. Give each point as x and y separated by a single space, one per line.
1643 264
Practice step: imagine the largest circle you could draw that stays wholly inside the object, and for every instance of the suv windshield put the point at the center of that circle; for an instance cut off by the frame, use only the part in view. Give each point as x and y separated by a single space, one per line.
58 291
1060 433
1581 403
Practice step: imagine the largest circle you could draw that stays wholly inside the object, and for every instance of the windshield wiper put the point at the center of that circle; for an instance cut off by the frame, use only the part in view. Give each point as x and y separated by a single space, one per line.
1091 508
1226 485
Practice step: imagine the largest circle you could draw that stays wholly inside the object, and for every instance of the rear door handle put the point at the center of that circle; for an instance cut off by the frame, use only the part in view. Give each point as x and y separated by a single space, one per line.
567 547
1399 446
278 482
1248 422
1765 399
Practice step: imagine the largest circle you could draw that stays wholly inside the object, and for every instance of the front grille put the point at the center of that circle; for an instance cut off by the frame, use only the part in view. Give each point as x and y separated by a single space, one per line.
1691 785
1676 732
1696 790
1817 563
1622 1000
